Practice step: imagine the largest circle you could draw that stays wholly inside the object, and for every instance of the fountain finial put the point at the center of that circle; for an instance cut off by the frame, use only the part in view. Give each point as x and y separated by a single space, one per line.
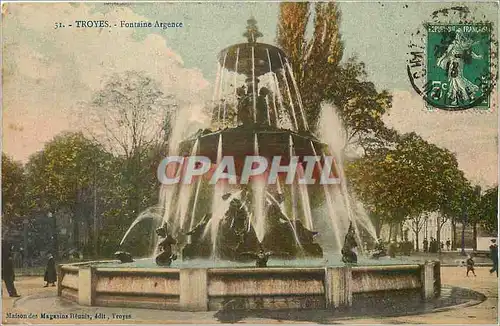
252 32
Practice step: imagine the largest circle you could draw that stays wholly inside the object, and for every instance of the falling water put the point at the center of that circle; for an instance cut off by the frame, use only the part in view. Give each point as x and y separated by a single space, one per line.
253 87
184 197
195 202
235 79
280 192
259 193
365 221
220 86
176 201
292 186
282 124
334 218
333 133
167 195
181 127
150 213
267 110
218 207
304 195
215 94
299 99
287 218
273 89
287 86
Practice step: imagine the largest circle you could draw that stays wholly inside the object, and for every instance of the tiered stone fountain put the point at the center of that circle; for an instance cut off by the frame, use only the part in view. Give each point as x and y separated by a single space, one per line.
257 111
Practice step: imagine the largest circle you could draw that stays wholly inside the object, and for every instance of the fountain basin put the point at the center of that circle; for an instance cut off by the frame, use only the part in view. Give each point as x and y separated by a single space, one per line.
203 289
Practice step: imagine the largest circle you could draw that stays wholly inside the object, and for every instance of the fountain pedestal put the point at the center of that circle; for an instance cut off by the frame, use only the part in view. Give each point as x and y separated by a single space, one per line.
338 291
194 297
86 285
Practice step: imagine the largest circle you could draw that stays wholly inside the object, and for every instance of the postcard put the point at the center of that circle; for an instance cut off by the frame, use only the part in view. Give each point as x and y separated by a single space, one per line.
250 162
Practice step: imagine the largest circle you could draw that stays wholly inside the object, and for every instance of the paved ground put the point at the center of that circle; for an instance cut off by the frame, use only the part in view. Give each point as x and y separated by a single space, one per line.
36 299
446 258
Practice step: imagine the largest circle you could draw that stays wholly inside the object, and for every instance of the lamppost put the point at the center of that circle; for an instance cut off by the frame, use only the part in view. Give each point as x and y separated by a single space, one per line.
426 225
25 242
54 242
464 223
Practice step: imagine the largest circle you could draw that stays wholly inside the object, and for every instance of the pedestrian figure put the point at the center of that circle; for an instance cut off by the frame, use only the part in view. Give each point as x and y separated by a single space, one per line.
448 244
494 256
442 245
433 245
50 276
470 265
426 245
392 249
8 275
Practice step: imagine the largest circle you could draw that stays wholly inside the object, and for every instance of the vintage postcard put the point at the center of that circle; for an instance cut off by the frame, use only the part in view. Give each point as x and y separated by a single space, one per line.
250 162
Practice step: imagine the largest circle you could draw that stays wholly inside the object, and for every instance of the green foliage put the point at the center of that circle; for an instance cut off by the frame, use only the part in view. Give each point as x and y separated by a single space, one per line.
314 60
131 118
76 175
409 180
488 210
60 175
322 77
130 190
13 189
360 107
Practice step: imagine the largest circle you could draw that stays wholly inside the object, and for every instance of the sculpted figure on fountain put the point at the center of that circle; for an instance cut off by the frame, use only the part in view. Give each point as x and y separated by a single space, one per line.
262 114
244 106
261 257
199 244
124 256
236 235
165 255
380 250
348 254
289 238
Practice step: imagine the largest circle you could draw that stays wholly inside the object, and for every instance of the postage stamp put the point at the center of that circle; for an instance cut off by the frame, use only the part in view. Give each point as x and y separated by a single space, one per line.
458 60
455 68
253 162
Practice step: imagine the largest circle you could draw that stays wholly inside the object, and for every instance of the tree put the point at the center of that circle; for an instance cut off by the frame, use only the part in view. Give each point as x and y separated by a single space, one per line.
488 210
116 215
361 107
314 61
67 175
130 113
417 222
130 116
407 181
13 190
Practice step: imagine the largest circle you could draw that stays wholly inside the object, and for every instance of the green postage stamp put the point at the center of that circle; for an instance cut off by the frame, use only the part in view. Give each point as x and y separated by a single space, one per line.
453 61
459 64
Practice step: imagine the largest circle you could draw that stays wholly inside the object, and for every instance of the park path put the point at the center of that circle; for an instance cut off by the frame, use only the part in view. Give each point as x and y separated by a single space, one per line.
37 299
483 313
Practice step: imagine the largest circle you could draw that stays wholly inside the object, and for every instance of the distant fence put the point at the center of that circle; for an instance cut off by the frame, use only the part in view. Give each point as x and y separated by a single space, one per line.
21 269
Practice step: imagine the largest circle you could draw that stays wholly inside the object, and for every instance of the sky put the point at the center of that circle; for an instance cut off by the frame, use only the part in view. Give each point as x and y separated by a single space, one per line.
49 74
